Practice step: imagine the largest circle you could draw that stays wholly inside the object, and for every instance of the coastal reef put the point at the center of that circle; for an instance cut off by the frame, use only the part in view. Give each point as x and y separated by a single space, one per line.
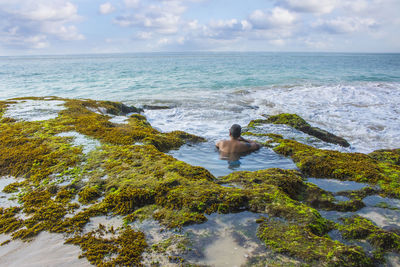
121 169
298 123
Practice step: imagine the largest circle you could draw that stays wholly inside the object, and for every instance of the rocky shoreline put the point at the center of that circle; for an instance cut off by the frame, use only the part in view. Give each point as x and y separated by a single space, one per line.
60 188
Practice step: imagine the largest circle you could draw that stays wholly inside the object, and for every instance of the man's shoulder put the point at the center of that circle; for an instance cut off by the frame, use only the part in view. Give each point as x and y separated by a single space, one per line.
221 142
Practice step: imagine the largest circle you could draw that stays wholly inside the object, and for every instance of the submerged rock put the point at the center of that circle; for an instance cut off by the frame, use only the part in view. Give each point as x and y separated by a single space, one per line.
300 242
298 123
343 166
359 228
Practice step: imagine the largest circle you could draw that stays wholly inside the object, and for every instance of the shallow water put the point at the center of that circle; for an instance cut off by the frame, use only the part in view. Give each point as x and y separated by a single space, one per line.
88 144
207 156
224 240
7 200
115 222
382 211
34 110
45 250
333 185
382 217
375 200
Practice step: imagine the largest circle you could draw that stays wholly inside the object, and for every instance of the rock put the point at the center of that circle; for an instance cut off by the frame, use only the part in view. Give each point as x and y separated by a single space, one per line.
300 124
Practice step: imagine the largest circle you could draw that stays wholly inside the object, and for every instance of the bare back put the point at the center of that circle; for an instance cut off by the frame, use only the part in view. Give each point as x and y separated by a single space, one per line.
236 146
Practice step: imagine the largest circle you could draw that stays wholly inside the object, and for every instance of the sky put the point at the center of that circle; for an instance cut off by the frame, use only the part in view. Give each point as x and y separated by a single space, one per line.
34 27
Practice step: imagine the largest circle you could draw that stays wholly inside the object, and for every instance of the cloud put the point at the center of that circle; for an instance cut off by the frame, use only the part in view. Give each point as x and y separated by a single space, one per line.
224 29
163 18
275 18
106 8
31 24
277 42
144 35
63 32
131 3
345 25
310 6
356 5
46 11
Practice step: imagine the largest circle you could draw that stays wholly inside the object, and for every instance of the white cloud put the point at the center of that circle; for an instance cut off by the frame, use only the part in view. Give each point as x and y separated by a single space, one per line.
131 3
343 25
246 26
67 33
275 18
310 6
163 41
163 18
53 11
193 25
144 35
356 5
30 24
231 24
106 8
37 41
277 42
315 44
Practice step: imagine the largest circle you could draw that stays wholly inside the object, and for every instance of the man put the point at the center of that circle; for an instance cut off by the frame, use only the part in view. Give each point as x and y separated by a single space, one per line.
237 144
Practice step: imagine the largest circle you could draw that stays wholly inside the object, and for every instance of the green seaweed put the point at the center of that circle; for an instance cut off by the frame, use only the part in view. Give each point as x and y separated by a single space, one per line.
298 241
360 228
343 166
89 194
123 250
296 122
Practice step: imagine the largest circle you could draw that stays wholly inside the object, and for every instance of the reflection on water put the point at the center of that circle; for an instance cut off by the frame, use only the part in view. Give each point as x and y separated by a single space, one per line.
207 156
333 185
46 249
7 199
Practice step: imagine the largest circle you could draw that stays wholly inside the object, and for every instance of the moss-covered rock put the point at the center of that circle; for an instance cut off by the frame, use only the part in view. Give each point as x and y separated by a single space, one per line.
296 122
298 241
8 221
321 199
361 193
360 228
89 194
124 250
391 156
80 115
343 166
289 181
13 187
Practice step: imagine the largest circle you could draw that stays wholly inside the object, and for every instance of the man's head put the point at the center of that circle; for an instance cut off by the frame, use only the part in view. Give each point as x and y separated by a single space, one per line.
235 131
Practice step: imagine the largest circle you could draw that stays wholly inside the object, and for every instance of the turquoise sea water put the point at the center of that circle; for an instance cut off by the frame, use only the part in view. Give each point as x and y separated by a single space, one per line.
352 95
128 76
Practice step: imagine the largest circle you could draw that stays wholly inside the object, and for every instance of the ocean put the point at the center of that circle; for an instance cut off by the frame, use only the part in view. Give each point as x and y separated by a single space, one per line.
355 96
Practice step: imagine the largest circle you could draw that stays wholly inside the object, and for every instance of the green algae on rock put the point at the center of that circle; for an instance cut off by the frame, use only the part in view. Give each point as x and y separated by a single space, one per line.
391 156
321 199
289 181
298 241
89 194
298 123
124 250
359 228
356 167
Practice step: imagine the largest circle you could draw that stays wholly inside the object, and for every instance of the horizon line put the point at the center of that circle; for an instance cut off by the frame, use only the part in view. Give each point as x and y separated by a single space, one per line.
194 52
